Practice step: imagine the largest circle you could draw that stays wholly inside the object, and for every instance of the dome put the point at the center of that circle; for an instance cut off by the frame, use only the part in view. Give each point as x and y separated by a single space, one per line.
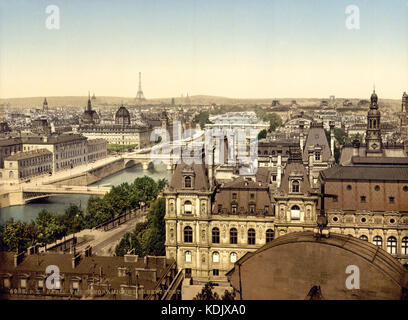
374 97
122 116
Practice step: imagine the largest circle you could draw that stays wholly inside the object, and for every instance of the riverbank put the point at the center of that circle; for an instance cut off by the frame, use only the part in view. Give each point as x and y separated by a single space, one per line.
12 195
58 203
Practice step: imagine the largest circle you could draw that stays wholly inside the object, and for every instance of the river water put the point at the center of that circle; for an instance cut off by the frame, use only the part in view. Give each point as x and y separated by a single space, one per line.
58 203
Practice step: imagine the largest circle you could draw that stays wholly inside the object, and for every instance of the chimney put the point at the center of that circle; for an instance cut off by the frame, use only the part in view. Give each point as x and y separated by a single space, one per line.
279 171
311 156
211 167
302 141
356 148
75 260
331 124
18 258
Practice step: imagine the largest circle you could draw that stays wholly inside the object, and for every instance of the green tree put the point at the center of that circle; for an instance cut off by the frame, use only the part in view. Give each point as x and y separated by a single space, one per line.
202 118
207 293
262 134
49 228
18 235
274 121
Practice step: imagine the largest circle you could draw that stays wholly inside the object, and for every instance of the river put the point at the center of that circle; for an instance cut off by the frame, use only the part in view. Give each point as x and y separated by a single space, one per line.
58 203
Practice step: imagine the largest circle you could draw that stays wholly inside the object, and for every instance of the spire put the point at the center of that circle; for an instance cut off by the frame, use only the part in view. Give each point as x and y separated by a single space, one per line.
89 102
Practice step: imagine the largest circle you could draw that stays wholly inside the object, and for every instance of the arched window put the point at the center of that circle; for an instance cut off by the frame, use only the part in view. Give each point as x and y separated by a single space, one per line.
404 245
295 213
216 257
377 241
364 237
251 236
269 235
188 234
215 235
233 236
295 186
188 207
233 257
188 256
187 182
392 245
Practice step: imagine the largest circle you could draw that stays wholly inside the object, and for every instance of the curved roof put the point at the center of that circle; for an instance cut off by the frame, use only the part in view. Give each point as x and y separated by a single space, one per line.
122 112
287 267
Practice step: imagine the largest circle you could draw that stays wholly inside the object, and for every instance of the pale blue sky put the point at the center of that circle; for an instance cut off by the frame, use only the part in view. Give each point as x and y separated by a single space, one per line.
233 48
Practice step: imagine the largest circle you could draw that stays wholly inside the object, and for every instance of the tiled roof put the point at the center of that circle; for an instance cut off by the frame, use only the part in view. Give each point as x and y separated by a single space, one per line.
200 176
374 172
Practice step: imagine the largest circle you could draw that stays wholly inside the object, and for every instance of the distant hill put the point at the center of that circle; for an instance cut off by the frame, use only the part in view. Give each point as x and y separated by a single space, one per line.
100 102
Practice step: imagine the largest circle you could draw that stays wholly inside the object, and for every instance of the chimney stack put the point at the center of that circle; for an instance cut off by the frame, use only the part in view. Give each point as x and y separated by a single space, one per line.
279 171
331 124
356 148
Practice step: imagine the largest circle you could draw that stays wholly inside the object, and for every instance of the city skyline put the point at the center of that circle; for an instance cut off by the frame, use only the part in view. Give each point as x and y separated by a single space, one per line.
266 49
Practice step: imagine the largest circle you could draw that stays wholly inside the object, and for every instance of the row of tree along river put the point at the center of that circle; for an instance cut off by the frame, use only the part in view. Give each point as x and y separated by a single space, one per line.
59 203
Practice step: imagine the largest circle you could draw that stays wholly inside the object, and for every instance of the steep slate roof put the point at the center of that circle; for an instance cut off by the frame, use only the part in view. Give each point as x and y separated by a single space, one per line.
317 136
199 172
299 169
365 173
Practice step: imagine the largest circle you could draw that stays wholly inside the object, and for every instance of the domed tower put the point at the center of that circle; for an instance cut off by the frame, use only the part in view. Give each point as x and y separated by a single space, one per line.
122 116
373 133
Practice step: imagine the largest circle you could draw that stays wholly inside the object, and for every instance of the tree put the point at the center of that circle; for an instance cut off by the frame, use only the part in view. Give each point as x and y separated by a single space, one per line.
202 118
262 134
207 293
228 295
18 235
49 228
274 121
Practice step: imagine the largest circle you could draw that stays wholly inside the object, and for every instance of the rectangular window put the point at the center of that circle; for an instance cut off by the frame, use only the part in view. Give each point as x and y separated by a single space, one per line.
252 208
363 199
317 155
392 200
273 178
266 211
252 196
216 272
6 283
188 272
234 196
234 208
335 198
23 283
219 208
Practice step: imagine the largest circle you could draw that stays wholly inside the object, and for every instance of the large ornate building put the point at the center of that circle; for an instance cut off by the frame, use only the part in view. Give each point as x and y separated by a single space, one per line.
367 195
211 224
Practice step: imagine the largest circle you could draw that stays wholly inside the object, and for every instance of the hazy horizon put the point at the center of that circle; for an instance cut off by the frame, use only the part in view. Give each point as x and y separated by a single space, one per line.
238 49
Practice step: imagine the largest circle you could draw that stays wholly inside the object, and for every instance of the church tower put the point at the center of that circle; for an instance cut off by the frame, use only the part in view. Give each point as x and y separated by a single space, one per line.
373 133
45 105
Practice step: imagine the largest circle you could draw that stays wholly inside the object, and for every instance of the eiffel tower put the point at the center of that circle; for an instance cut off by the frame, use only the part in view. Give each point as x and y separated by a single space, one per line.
140 95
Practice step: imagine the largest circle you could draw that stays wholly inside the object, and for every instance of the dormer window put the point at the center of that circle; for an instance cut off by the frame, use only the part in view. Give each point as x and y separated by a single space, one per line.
317 155
187 182
295 186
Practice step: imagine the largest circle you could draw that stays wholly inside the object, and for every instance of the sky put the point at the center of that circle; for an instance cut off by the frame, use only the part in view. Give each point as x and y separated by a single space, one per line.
229 48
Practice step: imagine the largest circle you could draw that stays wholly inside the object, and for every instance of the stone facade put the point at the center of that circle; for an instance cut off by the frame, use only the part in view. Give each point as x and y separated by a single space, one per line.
25 165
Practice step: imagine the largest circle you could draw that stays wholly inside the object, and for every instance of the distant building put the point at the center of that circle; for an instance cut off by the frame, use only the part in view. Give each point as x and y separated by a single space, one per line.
90 116
404 117
373 146
25 165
